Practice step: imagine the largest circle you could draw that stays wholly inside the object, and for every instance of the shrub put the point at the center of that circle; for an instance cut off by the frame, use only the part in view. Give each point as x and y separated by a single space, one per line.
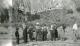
78 9
70 11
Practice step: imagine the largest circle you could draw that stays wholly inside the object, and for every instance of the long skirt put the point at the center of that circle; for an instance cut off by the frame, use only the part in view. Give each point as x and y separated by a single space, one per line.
34 35
39 37
48 35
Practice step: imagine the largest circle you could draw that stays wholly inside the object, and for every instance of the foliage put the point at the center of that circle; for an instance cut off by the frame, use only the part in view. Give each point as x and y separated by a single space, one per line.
70 11
78 9
33 17
66 15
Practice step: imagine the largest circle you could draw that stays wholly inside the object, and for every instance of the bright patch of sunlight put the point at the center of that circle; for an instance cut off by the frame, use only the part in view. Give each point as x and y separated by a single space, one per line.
7 44
7 3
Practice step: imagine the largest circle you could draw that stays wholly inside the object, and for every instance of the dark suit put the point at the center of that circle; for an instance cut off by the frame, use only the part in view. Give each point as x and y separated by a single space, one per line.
25 37
30 33
44 34
17 36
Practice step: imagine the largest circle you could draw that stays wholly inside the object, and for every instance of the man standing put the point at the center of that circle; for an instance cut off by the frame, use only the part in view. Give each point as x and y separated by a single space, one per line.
52 32
38 32
56 33
30 31
17 35
61 32
44 33
25 37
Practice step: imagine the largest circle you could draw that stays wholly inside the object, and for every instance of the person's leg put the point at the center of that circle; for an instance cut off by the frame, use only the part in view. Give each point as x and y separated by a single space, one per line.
75 39
17 40
26 38
30 37
46 37
51 37
43 37
36 36
54 37
23 38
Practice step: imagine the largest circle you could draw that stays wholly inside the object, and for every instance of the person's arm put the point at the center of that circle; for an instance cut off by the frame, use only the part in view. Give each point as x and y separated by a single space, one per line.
28 30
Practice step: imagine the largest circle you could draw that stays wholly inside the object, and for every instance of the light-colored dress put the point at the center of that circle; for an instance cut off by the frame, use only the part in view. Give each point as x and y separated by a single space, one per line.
20 32
48 35
61 33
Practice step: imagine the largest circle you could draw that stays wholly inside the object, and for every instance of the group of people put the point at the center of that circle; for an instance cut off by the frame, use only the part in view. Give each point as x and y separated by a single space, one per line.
41 33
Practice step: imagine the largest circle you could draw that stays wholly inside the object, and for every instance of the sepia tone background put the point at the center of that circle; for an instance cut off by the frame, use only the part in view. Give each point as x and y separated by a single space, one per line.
47 11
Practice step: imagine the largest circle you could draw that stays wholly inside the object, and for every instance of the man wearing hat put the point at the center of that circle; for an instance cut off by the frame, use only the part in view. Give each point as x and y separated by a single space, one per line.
52 32
38 31
44 32
25 36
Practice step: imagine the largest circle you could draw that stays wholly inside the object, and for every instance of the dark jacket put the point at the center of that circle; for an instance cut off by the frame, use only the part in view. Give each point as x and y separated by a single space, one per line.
17 33
25 31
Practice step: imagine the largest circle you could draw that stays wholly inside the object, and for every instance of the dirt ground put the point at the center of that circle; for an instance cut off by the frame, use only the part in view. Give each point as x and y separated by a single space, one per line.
51 43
